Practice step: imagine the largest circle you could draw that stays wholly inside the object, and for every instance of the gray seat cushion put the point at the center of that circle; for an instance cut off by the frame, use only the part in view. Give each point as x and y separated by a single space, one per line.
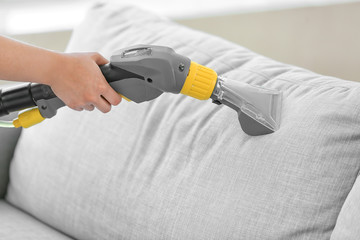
180 168
17 225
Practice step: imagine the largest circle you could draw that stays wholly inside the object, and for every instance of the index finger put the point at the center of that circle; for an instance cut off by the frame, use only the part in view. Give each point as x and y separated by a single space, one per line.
112 96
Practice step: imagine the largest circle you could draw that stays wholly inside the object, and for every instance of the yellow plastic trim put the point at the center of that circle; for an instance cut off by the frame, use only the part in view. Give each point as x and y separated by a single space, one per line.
127 99
28 118
200 82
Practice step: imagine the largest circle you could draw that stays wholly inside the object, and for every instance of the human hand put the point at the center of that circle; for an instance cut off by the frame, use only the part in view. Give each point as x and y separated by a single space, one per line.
77 80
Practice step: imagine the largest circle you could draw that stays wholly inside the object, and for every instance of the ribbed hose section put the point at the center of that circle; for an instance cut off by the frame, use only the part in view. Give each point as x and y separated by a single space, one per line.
15 99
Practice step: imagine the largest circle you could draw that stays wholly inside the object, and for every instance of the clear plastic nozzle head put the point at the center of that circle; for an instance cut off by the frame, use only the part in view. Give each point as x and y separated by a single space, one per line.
258 108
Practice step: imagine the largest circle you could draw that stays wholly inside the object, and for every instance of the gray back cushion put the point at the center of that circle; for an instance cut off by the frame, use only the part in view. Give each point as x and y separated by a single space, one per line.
180 168
8 140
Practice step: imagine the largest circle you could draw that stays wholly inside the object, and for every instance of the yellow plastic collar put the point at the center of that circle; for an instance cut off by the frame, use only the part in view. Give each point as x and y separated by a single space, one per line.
200 82
28 118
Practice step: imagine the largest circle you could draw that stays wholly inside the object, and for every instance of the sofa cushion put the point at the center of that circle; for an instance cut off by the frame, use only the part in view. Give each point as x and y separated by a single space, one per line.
348 223
8 140
180 168
17 225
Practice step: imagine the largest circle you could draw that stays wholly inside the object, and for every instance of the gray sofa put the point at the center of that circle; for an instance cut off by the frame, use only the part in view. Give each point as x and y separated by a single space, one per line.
180 168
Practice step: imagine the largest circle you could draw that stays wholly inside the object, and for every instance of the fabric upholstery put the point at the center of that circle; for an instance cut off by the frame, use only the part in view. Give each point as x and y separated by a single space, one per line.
15 225
180 168
348 223
8 140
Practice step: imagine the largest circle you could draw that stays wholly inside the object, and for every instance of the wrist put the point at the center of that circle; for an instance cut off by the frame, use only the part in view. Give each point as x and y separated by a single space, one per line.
53 65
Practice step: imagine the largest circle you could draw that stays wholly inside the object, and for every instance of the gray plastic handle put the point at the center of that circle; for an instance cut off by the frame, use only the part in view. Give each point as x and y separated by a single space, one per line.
160 69
140 73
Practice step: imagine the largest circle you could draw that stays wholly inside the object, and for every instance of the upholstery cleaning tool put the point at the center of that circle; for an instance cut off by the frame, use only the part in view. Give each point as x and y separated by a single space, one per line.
142 73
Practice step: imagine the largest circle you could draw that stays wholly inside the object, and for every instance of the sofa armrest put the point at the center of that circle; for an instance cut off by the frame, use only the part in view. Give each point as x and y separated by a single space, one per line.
8 141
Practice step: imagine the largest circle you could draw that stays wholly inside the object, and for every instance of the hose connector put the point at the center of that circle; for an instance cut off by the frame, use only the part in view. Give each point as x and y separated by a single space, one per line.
28 118
200 82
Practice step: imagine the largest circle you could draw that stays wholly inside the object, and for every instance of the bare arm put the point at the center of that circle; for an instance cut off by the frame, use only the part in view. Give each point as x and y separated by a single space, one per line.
74 77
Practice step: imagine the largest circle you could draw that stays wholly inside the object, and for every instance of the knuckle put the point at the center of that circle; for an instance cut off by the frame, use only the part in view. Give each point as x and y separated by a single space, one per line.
76 105
71 105
102 88
90 98
89 108
94 55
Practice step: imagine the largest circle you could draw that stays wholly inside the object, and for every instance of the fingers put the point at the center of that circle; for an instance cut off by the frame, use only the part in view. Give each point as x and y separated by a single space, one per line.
111 96
89 107
86 87
108 95
103 105
77 108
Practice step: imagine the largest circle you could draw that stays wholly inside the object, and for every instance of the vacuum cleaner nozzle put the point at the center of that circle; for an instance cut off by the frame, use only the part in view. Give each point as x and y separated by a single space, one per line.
142 73
258 108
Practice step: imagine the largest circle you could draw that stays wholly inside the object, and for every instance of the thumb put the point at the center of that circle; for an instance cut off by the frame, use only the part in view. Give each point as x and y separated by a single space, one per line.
99 59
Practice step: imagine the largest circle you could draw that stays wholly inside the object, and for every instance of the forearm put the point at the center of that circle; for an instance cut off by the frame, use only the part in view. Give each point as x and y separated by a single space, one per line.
74 77
21 62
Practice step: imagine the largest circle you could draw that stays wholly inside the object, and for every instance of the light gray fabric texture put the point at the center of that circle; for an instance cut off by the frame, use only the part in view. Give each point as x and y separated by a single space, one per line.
16 225
180 168
348 223
8 140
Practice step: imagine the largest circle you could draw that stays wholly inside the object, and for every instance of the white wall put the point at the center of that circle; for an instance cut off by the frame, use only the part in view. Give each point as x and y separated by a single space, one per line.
324 39
35 16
